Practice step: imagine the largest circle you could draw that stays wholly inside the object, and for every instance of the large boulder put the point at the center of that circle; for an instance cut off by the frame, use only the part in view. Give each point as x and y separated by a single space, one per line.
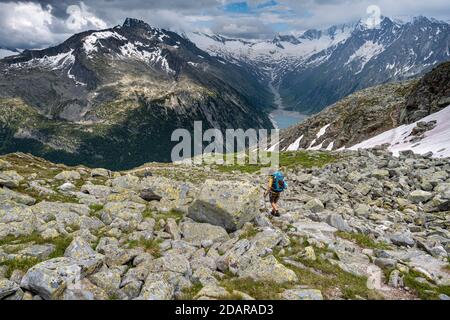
6 194
335 220
48 279
126 182
197 232
228 204
314 205
100 172
68 175
10 179
7 288
97 191
302 294
268 269
16 219
418 196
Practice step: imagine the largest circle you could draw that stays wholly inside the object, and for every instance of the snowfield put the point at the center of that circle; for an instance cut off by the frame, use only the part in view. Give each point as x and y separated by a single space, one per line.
436 140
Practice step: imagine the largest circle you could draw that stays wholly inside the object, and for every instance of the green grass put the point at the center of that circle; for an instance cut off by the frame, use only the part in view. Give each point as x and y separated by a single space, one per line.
325 276
60 243
95 208
54 197
303 159
175 214
425 291
151 246
249 233
363 240
191 292
22 264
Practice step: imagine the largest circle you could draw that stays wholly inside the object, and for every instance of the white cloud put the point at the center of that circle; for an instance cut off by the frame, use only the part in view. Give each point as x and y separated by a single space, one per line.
26 25
25 22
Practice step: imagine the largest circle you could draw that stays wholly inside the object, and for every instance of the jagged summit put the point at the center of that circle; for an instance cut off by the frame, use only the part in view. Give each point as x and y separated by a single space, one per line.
135 23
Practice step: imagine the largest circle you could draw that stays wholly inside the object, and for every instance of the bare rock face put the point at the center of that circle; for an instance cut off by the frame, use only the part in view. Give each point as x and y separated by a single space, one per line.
228 204
430 95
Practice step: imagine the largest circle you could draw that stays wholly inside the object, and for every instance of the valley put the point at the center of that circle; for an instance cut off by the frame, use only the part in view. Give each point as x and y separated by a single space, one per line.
281 117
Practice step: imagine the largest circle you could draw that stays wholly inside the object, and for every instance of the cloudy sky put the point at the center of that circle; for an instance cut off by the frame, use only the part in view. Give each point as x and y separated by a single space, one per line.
40 23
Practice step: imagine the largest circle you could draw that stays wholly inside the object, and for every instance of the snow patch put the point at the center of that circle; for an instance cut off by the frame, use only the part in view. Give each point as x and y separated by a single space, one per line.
90 41
436 140
295 146
321 132
56 62
365 53
130 50
330 146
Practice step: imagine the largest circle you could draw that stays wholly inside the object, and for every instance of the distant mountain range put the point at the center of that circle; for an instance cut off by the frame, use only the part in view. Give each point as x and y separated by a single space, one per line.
319 67
113 97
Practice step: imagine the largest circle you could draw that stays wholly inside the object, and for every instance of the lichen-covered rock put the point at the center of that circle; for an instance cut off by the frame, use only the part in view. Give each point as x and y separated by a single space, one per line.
171 228
197 232
100 172
97 191
268 269
128 181
39 251
108 279
157 287
228 204
10 179
84 290
68 175
418 196
6 194
7 288
335 220
314 205
16 219
301 294
50 278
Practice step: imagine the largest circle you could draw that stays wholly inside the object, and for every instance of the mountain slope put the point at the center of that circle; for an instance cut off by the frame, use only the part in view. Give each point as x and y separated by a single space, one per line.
112 98
368 113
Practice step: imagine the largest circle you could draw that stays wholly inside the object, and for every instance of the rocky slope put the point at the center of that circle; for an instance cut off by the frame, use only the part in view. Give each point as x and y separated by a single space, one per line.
113 97
371 112
319 67
354 225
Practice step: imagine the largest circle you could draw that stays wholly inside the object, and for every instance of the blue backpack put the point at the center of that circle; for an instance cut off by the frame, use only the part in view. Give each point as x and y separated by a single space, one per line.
279 185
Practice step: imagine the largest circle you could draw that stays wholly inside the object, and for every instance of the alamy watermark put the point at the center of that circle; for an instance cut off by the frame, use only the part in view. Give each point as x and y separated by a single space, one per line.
236 147
374 19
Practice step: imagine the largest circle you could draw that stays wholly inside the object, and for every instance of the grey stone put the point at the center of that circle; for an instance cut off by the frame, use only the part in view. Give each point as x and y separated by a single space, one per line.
314 205
197 232
68 175
7 288
418 196
228 204
302 294
335 220
10 179
402 240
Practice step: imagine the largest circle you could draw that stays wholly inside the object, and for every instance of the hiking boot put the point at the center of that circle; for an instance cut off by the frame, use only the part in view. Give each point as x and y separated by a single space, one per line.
275 213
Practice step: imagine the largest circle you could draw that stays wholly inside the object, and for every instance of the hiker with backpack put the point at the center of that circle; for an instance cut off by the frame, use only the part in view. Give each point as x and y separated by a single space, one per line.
275 187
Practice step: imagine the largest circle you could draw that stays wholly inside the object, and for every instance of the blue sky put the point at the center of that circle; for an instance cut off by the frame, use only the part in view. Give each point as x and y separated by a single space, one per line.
39 23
